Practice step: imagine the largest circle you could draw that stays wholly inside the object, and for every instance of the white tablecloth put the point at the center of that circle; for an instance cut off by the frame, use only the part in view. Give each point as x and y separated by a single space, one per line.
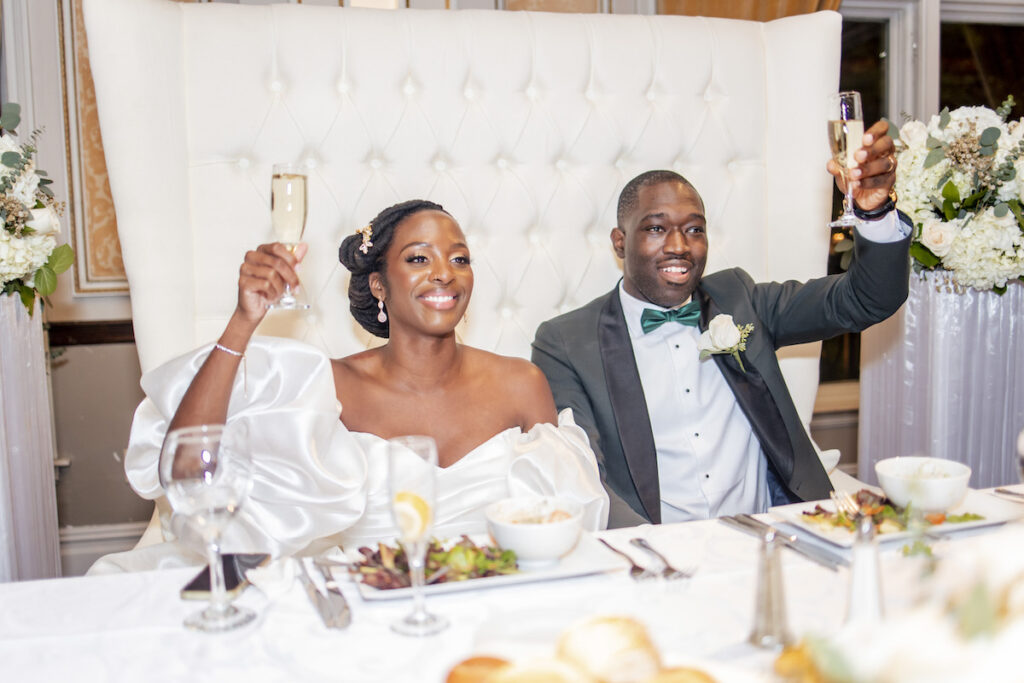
128 627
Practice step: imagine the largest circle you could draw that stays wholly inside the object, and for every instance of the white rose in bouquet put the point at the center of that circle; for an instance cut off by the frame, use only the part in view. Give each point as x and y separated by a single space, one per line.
938 235
44 221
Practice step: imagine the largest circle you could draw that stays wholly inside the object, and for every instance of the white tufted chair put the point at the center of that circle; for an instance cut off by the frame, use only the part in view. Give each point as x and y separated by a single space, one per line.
524 125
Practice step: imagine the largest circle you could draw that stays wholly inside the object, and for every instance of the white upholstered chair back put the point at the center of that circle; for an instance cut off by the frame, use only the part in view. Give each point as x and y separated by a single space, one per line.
525 126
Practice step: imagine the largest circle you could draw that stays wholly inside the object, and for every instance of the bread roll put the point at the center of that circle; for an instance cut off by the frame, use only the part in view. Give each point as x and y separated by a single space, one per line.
545 670
681 674
476 670
611 649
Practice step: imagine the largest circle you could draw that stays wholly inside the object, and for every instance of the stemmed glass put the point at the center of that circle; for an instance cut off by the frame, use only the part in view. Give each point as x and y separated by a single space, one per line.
288 217
206 475
412 461
845 137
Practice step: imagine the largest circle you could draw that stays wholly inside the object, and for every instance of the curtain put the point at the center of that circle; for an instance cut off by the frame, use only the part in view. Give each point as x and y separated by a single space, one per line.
29 540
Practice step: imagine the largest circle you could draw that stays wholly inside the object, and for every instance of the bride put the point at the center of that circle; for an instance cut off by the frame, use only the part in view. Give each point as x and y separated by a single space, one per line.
320 481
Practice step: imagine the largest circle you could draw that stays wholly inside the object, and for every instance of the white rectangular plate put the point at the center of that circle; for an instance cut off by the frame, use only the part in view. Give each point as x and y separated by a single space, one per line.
994 510
588 557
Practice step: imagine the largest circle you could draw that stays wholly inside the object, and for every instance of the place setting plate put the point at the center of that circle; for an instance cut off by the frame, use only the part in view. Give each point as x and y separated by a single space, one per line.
588 557
996 511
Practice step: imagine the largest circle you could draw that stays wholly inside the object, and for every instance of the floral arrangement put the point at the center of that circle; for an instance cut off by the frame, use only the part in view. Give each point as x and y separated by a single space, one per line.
30 259
960 179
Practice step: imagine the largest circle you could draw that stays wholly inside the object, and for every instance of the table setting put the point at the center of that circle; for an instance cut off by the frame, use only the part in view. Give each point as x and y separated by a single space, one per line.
710 600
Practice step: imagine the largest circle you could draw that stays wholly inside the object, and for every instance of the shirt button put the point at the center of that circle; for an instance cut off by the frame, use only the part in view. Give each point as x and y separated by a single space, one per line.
677 346
687 391
707 476
696 433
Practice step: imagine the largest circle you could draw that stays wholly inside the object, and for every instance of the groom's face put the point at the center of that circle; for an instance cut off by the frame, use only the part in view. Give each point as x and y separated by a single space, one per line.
663 244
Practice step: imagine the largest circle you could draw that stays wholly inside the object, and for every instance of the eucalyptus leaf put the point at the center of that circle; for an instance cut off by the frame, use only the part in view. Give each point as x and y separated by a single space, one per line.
934 157
989 136
1015 207
10 115
937 204
974 199
923 256
944 118
45 181
45 190
951 192
46 281
893 131
28 297
932 143
10 159
986 150
61 259
1001 209
945 177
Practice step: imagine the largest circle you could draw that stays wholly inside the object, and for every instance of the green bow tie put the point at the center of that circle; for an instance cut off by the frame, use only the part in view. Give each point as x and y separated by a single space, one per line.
652 319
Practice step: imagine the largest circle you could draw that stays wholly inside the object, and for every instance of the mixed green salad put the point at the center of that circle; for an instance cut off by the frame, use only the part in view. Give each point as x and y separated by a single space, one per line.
887 517
388 567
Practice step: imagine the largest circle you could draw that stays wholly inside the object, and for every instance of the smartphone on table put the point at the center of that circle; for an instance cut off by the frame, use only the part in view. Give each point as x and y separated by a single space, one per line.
235 566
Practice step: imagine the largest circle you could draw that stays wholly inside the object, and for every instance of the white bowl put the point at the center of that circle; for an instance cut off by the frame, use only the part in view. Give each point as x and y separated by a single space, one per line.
928 484
514 524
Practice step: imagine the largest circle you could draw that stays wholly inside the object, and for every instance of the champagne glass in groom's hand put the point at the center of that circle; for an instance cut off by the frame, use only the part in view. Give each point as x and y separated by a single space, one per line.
845 137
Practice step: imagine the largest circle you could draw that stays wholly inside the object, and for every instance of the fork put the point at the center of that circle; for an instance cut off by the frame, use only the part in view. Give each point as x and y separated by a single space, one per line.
669 572
636 572
845 503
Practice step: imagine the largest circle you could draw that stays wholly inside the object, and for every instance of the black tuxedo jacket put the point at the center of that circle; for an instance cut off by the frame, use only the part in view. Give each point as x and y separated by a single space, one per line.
587 357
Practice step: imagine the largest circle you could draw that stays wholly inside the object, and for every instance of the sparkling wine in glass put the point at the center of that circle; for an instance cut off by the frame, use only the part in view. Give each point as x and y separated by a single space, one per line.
845 137
412 465
206 474
288 217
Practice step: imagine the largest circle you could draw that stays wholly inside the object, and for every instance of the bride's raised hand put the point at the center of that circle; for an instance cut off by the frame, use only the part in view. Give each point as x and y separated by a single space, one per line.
262 278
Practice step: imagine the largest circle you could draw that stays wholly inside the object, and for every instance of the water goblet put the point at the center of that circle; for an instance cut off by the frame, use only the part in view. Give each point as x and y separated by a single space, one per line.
288 218
206 475
845 137
412 464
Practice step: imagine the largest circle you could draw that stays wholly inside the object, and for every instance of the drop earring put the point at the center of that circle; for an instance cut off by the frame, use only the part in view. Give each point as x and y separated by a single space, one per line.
382 317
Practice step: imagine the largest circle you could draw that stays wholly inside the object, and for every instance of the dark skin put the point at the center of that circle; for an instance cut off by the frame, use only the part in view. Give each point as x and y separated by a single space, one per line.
422 381
663 241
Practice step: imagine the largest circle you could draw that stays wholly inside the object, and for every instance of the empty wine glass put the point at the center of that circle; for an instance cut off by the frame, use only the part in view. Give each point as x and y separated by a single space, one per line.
412 461
288 218
206 475
845 137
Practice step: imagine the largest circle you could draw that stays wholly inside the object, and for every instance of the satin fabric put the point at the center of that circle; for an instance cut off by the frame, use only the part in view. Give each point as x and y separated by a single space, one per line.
316 484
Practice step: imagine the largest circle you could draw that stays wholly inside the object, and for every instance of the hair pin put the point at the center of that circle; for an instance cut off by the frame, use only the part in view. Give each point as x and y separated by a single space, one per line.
367 232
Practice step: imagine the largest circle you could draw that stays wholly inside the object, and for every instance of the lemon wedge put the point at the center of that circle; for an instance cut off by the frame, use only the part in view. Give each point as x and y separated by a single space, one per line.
412 513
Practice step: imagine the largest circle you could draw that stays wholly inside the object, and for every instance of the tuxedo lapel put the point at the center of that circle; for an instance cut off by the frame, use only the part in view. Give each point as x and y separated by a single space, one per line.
754 398
629 406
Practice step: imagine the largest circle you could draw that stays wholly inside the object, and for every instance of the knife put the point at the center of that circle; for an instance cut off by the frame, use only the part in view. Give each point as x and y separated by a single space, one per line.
752 525
339 605
322 604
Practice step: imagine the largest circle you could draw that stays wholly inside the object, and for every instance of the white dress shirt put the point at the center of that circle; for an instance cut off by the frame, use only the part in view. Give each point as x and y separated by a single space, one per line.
710 462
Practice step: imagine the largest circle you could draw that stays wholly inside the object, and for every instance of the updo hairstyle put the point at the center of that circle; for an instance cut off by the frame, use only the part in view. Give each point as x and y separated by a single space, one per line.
361 301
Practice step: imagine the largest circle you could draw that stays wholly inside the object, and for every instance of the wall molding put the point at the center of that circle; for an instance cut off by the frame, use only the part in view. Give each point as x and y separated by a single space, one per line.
80 546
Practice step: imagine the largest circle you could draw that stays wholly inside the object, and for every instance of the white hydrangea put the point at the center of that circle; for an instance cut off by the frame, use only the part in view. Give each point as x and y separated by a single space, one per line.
22 256
988 252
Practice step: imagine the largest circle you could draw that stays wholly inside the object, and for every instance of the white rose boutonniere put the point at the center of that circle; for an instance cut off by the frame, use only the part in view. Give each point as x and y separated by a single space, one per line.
724 336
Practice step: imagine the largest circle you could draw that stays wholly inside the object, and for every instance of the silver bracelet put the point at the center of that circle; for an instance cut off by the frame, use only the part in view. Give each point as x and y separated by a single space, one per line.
245 369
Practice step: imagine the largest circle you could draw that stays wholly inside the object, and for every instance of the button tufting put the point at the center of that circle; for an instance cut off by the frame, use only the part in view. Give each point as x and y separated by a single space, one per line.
469 93
505 312
590 94
534 237
561 164
677 165
343 86
440 165
243 162
502 163
650 95
409 88
620 162
276 86
376 163
708 95
309 162
531 92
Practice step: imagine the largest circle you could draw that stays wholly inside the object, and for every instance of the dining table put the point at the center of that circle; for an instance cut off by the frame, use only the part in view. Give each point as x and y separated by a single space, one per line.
128 627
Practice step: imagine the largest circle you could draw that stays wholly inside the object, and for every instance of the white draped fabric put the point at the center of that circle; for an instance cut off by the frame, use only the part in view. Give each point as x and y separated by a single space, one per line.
943 378
316 484
29 545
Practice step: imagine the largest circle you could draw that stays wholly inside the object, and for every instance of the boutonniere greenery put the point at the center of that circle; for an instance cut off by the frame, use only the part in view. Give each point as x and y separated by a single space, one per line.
724 336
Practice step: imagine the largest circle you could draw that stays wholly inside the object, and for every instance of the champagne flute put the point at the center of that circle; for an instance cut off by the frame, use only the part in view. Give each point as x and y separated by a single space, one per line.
845 137
412 461
206 475
288 217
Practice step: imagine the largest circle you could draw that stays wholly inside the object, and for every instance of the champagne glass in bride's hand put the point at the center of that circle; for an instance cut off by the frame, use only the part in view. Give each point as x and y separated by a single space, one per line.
206 474
412 461
288 217
845 136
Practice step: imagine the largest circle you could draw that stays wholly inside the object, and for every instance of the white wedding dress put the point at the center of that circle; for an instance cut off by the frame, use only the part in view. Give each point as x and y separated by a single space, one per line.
316 484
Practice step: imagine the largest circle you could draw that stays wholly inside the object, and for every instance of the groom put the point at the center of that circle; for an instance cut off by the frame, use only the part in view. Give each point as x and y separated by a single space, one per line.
681 438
